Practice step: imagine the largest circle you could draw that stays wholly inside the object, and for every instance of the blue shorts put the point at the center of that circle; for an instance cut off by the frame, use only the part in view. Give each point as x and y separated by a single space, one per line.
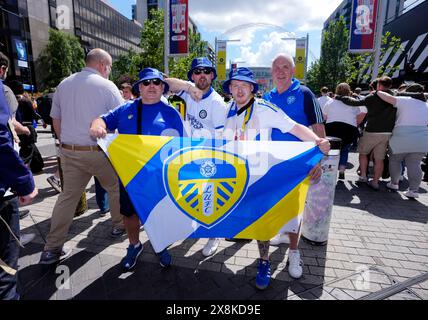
126 207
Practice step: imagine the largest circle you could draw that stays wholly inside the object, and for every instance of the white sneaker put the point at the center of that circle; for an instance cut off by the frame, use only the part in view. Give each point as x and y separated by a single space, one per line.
295 264
392 186
279 238
411 194
26 238
211 247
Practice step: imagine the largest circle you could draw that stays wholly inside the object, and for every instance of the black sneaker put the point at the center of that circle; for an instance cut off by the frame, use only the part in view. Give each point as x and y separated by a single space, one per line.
23 213
54 256
341 175
102 213
117 232
238 240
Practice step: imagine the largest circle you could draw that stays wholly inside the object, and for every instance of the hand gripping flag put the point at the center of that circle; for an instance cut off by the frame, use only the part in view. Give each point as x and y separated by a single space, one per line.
198 188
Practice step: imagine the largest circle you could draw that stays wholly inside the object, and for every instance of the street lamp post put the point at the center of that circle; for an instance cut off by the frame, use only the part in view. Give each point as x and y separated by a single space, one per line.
216 46
382 5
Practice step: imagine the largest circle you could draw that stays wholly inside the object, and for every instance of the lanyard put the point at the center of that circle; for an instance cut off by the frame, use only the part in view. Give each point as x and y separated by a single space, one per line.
139 117
239 134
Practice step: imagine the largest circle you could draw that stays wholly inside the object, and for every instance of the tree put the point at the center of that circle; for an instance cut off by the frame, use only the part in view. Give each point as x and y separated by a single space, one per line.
334 63
361 64
152 44
152 41
62 56
313 77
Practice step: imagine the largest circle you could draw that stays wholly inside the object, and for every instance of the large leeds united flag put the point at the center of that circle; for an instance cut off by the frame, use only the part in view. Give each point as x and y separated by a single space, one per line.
197 188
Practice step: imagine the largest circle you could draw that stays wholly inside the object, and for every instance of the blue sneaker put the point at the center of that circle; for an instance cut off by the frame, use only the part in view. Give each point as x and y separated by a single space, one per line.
130 260
263 274
164 258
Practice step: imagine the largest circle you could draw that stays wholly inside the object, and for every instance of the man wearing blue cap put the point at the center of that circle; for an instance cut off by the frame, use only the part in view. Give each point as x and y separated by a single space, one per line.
205 110
147 115
255 119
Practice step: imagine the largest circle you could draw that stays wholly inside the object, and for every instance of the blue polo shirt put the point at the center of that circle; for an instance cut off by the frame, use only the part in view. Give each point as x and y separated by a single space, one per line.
157 119
299 103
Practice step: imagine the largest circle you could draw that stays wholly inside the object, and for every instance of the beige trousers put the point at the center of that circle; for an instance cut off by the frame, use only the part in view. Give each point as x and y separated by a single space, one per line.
78 168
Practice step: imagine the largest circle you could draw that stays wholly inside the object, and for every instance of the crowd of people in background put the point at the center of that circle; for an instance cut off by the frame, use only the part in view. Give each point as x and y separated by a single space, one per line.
386 124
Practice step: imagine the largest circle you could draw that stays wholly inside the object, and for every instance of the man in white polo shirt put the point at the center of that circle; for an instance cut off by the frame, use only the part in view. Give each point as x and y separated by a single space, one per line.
205 112
78 100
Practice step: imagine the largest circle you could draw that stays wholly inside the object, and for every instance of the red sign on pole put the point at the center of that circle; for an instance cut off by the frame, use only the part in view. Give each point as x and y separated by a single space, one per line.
179 27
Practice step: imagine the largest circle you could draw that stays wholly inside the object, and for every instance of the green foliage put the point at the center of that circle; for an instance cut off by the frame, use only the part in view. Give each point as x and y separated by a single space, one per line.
336 65
62 56
314 77
361 64
152 43
334 61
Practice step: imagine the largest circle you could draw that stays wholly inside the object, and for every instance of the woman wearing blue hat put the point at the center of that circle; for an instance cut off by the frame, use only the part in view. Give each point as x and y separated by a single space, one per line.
147 115
251 118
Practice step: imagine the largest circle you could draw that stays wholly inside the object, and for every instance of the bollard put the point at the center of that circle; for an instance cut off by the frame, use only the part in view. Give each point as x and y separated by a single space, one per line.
319 202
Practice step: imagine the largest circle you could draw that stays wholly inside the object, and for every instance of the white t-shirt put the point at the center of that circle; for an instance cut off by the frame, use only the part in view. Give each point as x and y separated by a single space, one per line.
256 122
206 116
323 100
337 111
411 112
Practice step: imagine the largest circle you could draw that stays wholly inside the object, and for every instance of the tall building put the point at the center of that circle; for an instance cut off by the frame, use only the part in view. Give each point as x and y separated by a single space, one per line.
141 10
100 26
405 19
393 9
25 24
15 40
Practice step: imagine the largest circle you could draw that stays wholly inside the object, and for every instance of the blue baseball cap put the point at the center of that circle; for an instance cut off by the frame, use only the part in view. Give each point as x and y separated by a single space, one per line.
201 62
241 74
148 74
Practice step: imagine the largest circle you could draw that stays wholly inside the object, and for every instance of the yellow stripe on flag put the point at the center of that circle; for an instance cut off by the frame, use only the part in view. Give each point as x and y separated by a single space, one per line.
142 150
285 210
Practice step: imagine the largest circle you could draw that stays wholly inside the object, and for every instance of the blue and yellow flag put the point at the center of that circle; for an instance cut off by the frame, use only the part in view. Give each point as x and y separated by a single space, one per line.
199 188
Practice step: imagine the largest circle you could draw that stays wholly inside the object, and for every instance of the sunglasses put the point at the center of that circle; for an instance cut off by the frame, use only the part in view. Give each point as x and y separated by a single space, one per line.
204 70
156 82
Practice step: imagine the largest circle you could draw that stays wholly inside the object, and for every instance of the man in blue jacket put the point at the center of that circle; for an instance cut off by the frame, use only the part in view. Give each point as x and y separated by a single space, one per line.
16 184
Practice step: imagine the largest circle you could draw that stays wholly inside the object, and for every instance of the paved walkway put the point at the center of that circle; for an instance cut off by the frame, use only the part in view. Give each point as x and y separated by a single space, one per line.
381 235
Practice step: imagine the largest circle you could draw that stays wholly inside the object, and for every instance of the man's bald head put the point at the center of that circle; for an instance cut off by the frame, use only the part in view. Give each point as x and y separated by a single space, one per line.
99 60
284 57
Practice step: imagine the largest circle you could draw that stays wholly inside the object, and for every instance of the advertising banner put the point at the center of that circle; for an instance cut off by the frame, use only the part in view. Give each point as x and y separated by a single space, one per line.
178 28
300 58
221 60
363 25
21 51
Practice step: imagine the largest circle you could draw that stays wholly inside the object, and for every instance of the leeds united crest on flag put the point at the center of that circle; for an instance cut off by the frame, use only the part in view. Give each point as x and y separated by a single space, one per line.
206 184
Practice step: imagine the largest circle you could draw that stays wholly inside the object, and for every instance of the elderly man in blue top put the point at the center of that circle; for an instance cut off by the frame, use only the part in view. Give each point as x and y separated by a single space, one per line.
255 119
147 115
300 104
205 112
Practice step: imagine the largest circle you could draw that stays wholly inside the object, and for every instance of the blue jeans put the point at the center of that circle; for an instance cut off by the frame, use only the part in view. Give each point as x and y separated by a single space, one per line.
344 152
9 248
101 196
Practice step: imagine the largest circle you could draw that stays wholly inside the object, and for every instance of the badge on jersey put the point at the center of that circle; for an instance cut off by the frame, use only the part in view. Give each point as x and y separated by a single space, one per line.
291 99
203 114
206 184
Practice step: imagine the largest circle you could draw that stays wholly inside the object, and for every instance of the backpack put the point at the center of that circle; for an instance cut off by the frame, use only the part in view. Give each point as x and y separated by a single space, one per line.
44 106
